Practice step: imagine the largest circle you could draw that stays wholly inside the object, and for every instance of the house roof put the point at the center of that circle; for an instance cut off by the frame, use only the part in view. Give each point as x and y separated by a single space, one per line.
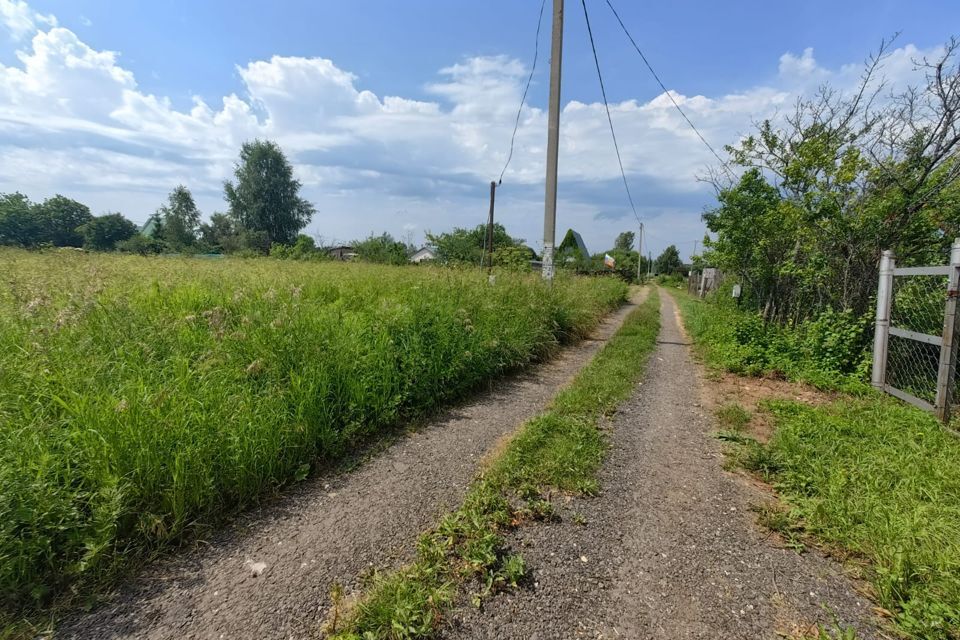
577 243
150 226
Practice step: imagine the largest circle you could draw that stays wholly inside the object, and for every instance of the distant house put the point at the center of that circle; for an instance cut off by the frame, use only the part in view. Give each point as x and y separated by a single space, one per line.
151 226
571 244
343 252
426 253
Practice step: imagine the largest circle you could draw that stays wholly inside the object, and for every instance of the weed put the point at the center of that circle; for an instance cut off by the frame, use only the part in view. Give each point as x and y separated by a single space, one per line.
733 416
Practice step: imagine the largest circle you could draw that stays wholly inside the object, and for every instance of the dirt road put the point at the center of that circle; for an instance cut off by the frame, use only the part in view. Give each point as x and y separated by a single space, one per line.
270 575
670 548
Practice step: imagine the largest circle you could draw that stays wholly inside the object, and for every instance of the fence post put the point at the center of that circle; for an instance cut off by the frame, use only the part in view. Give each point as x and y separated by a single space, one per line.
948 353
881 332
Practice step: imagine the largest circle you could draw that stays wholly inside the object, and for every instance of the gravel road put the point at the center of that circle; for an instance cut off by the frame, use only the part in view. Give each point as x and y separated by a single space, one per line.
270 574
670 548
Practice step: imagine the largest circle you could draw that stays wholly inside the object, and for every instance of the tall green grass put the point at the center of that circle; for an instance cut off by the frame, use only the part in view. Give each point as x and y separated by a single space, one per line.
143 398
559 450
880 479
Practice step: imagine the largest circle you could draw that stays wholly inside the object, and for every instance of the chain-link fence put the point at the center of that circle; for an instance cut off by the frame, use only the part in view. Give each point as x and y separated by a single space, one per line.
915 351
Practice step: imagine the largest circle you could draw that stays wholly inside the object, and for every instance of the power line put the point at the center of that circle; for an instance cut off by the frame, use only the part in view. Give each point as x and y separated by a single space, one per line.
669 95
533 68
606 106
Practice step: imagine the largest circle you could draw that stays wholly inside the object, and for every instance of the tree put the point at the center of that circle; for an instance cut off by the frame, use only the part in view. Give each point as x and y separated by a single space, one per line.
19 223
104 232
181 219
265 197
835 182
624 241
466 246
220 233
383 249
61 218
669 262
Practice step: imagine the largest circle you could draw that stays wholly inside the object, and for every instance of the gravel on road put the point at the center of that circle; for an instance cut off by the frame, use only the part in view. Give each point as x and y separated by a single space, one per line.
270 574
670 547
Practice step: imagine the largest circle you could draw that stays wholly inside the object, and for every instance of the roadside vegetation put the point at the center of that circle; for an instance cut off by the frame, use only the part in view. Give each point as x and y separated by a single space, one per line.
871 479
556 452
143 399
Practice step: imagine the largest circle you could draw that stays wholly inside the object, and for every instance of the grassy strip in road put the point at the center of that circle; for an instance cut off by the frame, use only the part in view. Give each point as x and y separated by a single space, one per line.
560 450
866 475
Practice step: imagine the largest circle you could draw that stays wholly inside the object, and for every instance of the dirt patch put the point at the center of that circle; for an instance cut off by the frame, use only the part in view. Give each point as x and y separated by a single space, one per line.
271 574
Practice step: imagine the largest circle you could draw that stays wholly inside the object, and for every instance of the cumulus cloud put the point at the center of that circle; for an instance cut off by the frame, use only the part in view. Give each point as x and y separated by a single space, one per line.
20 20
73 118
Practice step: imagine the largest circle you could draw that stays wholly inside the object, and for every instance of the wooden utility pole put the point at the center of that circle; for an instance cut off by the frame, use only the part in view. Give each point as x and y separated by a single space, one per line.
493 195
553 142
639 252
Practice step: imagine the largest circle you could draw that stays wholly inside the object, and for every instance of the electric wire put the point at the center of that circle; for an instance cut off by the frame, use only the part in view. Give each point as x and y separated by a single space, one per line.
656 77
523 99
606 106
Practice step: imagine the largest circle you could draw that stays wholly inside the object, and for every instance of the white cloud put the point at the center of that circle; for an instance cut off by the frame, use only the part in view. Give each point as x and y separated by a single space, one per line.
72 119
20 20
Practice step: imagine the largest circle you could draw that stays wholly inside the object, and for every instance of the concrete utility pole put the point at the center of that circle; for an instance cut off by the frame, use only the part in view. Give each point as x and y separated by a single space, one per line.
639 252
553 142
493 194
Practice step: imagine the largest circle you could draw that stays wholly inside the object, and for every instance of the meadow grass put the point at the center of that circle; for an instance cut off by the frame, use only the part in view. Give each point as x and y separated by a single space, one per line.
144 399
866 475
559 450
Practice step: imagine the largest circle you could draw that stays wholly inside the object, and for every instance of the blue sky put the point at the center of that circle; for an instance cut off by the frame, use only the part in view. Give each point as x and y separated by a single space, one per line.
397 115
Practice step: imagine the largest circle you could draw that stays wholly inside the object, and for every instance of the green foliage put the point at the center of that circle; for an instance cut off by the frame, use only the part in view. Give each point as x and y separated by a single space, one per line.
830 351
668 263
19 224
61 218
265 200
181 219
220 234
829 188
624 241
305 248
560 449
466 246
382 249
514 258
102 461
103 233
877 478
142 245
733 416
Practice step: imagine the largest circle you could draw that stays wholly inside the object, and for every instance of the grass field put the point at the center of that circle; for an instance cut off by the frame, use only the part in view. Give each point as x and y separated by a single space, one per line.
142 399
866 475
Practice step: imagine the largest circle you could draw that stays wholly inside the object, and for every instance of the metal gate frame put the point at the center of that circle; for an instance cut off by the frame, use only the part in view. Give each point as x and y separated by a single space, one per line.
947 341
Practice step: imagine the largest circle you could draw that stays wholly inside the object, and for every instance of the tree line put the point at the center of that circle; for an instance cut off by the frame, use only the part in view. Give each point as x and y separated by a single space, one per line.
264 210
842 178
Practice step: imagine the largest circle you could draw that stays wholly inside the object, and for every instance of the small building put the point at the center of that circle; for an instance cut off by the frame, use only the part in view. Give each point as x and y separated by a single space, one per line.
571 245
342 252
151 226
424 254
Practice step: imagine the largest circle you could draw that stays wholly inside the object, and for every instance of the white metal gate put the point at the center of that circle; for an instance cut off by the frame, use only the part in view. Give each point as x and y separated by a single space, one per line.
915 340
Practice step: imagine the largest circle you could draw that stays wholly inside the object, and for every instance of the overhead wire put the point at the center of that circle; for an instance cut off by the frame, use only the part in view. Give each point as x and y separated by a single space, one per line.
526 90
656 77
606 105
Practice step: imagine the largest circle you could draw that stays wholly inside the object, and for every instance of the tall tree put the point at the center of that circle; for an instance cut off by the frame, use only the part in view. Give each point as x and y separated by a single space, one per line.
62 217
669 262
624 241
104 232
266 197
19 223
181 218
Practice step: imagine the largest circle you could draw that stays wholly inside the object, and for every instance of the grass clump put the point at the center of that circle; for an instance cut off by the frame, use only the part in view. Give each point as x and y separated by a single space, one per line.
829 352
559 450
142 399
733 416
879 480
